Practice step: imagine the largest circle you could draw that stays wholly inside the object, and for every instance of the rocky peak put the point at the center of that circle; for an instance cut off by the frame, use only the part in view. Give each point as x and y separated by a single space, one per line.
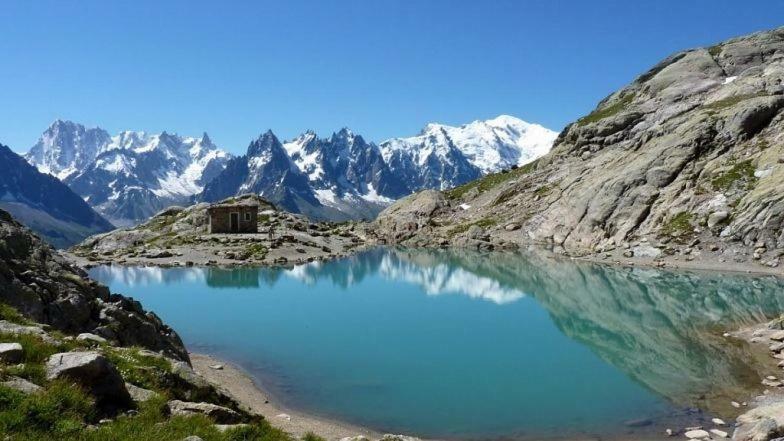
265 143
66 147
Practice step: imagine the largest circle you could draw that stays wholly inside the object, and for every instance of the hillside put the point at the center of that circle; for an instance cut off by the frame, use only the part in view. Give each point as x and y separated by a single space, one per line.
686 162
44 204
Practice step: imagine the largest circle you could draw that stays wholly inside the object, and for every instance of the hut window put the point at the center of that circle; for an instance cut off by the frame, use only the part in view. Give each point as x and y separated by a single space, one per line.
247 216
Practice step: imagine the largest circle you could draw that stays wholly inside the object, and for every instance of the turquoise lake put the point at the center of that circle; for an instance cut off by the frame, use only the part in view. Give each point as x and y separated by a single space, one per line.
458 344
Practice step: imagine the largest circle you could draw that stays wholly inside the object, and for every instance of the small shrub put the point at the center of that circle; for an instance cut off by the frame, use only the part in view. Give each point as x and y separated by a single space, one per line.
310 436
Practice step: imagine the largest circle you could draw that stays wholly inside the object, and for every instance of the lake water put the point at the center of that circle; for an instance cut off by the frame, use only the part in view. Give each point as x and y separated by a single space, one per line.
467 345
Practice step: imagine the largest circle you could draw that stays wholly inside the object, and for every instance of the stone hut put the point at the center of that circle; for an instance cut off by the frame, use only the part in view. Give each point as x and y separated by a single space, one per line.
238 216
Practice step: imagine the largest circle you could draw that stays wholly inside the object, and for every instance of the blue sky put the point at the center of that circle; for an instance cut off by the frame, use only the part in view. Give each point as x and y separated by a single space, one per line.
383 68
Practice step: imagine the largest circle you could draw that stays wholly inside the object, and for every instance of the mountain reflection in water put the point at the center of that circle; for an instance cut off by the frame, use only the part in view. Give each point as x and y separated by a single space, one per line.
661 328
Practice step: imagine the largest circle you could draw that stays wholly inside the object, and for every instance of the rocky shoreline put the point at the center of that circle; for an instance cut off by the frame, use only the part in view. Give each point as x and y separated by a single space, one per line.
178 237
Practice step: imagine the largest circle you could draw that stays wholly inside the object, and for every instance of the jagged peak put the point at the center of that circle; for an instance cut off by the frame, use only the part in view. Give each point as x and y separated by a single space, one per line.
265 141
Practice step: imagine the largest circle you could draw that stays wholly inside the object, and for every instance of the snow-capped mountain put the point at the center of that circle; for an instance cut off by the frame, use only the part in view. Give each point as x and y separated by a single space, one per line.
44 204
132 175
443 156
346 172
66 147
128 177
336 178
345 177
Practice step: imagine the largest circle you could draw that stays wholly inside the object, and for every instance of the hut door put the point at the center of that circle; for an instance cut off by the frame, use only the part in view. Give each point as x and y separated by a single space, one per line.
235 222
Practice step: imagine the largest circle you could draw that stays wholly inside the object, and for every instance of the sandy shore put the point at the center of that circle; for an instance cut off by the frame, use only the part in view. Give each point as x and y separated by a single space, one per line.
241 386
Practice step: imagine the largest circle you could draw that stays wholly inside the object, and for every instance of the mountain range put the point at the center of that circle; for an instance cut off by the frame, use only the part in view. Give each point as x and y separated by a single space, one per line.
130 176
345 177
44 204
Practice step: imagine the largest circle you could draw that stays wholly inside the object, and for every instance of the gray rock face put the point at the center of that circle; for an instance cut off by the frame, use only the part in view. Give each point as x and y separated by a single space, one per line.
93 371
219 414
11 352
40 284
409 215
698 134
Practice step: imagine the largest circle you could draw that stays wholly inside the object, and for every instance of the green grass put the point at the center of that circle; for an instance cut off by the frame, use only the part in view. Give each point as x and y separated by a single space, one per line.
731 101
57 411
10 314
679 225
715 50
740 172
607 111
62 412
487 182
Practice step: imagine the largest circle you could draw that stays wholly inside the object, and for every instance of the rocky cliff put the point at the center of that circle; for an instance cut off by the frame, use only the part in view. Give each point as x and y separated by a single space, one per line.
42 286
686 160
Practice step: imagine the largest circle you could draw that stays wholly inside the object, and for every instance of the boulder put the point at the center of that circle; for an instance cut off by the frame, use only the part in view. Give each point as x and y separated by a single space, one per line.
86 336
94 372
717 218
11 353
12 328
697 434
219 414
21 385
140 394
761 423
406 216
227 427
